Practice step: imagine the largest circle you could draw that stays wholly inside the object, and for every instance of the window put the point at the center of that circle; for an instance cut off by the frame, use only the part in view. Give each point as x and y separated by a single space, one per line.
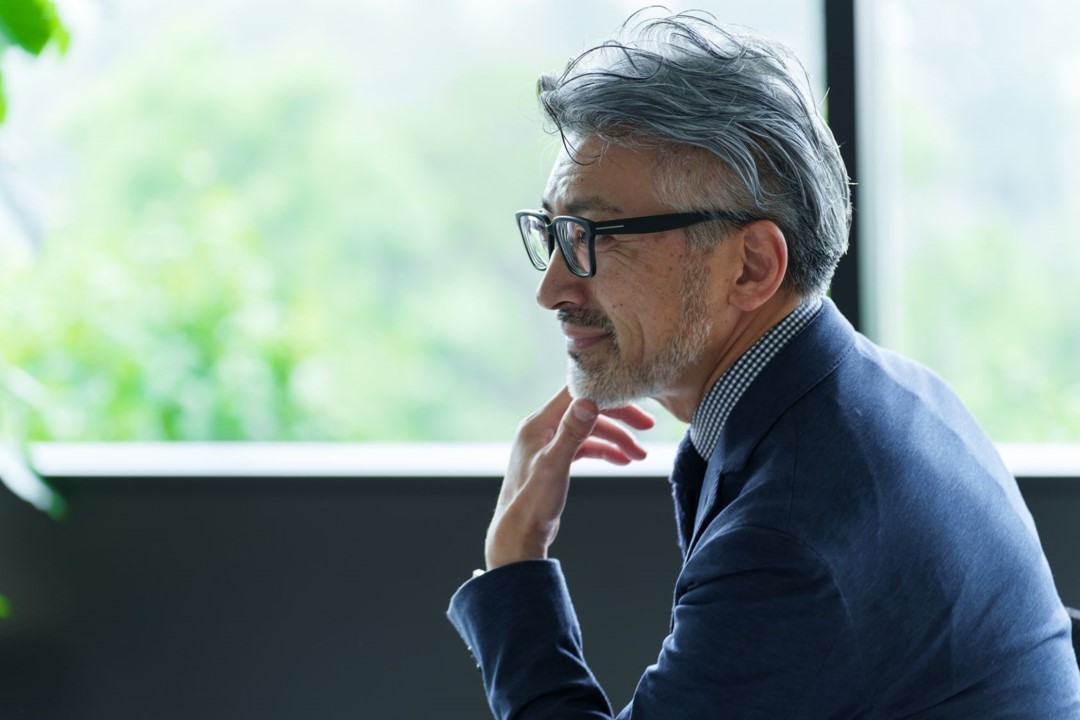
970 137
264 223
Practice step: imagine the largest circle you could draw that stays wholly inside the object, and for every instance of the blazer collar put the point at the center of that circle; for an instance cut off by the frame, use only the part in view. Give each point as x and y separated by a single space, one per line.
806 360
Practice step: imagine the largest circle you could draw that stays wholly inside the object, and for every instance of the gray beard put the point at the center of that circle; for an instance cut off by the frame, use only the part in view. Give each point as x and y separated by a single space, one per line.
612 381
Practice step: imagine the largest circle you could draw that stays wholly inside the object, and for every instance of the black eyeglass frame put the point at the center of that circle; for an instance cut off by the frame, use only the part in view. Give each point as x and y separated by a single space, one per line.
625 226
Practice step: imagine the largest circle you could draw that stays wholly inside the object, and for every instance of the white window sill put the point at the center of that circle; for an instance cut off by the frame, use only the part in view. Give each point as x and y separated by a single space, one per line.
398 460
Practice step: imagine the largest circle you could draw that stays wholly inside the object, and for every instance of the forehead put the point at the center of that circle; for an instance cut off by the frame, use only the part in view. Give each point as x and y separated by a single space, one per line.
602 178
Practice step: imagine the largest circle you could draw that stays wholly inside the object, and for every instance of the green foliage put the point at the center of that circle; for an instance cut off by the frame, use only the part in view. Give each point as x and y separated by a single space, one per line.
252 249
5 608
985 287
30 25
989 318
255 253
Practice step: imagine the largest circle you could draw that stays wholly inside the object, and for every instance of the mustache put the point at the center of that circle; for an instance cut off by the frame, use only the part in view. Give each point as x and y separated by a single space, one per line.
583 317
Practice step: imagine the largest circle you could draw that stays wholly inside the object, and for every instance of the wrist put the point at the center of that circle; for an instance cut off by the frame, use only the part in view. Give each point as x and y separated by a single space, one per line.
498 554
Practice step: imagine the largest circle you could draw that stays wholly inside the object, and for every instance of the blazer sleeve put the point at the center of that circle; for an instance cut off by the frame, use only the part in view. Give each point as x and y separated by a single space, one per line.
759 629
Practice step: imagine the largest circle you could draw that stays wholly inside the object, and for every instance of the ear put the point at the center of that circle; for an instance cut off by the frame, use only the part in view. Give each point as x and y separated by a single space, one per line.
764 265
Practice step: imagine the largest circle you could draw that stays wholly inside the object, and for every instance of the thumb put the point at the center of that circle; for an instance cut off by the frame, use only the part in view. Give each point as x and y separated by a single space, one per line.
574 429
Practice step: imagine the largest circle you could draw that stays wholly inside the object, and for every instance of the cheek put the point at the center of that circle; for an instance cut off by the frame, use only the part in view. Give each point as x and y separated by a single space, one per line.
646 312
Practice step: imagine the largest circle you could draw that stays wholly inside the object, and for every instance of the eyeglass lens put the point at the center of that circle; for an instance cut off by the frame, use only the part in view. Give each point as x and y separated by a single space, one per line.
573 240
572 237
534 232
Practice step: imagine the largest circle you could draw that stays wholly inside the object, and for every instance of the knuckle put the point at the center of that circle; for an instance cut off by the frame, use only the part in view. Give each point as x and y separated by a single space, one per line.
573 430
528 428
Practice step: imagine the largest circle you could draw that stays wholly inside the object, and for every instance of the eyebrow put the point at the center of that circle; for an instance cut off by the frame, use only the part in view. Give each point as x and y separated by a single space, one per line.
589 203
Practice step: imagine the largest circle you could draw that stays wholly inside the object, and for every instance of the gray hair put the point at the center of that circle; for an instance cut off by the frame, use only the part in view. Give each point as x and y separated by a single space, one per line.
734 118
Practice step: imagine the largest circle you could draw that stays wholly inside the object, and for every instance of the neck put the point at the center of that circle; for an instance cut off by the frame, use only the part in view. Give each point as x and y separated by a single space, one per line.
746 329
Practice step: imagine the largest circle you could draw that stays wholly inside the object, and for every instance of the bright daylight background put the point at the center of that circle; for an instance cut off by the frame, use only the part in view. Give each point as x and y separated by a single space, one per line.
240 220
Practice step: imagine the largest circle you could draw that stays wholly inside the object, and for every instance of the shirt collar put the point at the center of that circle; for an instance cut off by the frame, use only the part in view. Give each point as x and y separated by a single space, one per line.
712 412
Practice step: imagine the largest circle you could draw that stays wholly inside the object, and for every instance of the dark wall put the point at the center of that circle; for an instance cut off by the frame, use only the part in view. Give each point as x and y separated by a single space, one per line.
1055 505
296 598
299 598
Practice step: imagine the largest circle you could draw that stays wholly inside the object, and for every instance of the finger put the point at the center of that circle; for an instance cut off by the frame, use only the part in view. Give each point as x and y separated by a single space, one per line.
632 415
557 405
543 423
619 436
546 489
603 451
576 426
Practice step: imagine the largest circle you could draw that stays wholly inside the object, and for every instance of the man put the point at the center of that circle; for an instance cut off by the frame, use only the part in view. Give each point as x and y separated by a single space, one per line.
853 545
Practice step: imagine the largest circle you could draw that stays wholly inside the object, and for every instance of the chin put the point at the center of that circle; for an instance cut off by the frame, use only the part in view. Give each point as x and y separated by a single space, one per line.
602 388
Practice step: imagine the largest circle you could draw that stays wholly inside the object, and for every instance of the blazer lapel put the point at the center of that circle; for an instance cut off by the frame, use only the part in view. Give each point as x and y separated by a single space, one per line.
686 479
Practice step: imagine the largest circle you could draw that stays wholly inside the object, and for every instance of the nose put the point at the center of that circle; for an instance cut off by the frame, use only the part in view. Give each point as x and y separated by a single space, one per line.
559 287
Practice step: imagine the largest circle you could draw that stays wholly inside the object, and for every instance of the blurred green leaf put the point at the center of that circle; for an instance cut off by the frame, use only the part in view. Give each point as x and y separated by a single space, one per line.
5 608
32 24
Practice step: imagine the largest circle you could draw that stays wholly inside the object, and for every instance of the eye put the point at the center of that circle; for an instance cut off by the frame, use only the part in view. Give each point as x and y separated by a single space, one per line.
575 233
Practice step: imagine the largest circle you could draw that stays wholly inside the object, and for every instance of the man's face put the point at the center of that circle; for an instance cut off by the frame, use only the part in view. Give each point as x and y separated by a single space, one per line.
641 326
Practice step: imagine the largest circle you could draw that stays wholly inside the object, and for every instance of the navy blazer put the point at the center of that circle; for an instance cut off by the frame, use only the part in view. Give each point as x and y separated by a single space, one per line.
854 548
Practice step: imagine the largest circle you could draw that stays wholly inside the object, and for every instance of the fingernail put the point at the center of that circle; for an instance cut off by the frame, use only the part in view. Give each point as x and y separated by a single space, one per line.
583 413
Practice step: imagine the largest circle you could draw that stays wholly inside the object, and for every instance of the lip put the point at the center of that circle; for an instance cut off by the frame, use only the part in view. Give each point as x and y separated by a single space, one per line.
582 338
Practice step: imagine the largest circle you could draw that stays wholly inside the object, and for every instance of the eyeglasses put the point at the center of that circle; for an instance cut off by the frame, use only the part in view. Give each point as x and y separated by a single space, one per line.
576 236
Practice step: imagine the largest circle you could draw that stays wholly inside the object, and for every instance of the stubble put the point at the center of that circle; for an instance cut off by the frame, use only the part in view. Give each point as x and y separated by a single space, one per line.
612 380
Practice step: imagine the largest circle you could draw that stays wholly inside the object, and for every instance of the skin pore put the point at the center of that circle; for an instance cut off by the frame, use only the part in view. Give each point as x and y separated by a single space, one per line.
660 319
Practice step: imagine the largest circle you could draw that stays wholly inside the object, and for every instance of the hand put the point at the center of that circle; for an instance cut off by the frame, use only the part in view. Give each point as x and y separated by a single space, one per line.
534 490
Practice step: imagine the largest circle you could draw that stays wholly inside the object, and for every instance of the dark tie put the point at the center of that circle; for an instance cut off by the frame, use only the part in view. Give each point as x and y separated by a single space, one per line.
686 479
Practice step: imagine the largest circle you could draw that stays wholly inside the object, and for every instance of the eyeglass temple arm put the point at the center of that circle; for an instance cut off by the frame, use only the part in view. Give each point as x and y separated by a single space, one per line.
660 223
